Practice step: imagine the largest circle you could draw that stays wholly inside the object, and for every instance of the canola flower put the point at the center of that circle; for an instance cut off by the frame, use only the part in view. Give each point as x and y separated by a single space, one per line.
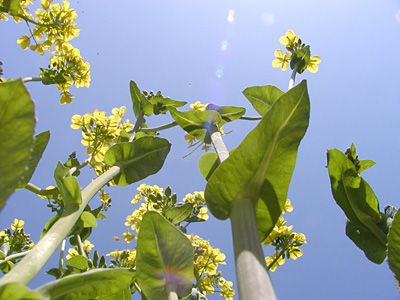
99 133
285 242
55 27
293 44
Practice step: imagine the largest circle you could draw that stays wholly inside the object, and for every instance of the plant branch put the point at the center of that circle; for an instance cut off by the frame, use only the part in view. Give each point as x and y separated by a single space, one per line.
62 251
34 261
159 128
29 79
33 188
292 78
250 118
4 9
14 256
218 143
276 259
253 279
138 124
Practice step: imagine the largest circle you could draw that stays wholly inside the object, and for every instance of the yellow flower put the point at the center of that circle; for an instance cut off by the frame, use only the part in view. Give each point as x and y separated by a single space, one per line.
198 106
17 225
71 252
289 39
269 259
281 60
190 138
312 65
87 245
287 207
206 285
226 290
24 41
128 237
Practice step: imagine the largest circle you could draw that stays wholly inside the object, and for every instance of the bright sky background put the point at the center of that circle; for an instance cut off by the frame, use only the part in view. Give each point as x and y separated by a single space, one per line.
191 52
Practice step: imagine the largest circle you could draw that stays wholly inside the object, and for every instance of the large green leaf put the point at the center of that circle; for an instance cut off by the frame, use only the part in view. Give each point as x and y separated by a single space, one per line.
39 145
196 123
164 258
262 166
179 213
16 291
17 126
353 194
161 105
394 248
366 241
12 6
68 187
93 284
139 101
139 159
262 97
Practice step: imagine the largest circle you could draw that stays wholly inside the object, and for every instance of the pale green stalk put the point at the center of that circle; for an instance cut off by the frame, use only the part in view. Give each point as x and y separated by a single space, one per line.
61 259
293 77
14 256
218 143
159 128
253 279
137 126
29 79
34 261
172 296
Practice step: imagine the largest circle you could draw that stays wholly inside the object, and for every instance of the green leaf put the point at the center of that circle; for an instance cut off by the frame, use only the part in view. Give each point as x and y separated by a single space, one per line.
353 194
301 58
208 163
77 262
164 258
262 166
161 105
16 291
394 248
365 164
228 113
366 241
196 123
93 284
124 294
139 101
139 159
68 187
49 224
179 213
39 145
88 219
262 97
17 126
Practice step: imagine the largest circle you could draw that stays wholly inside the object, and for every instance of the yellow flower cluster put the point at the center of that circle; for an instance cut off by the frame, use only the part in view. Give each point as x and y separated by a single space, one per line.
206 261
87 246
124 258
291 41
55 26
17 240
198 199
285 242
99 133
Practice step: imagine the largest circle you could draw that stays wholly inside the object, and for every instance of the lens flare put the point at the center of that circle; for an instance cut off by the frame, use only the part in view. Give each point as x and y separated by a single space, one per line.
231 16
268 19
224 45
219 72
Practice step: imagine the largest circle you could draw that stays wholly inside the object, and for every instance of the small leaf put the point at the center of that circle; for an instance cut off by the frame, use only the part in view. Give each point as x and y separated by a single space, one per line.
161 265
208 163
49 224
139 101
16 291
68 187
301 58
365 164
394 248
179 213
228 113
262 97
196 123
17 126
77 262
39 145
161 105
88 219
93 284
139 159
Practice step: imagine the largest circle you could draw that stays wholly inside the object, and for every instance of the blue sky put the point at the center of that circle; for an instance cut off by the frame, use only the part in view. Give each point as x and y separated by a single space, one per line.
189 51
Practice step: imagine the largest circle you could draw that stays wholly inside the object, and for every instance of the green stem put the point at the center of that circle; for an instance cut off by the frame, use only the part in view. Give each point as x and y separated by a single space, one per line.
34 261
80 245
293 77
28 79
159 128
253 279
276 259
33 188
3 9
14 256
137 126
218 143
251 118
62 251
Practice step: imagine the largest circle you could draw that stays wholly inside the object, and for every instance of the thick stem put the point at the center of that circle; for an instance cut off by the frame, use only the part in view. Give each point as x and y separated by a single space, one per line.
172 296
138 124
218 143
253 279
34 261
292 78
28 79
